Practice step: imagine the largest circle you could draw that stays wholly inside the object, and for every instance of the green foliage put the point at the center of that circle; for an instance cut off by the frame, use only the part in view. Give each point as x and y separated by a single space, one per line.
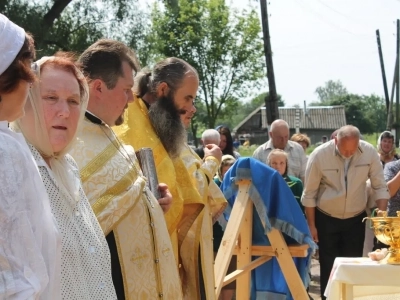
247 151
372 138
243 109
330 91
223 45
368 113
78 24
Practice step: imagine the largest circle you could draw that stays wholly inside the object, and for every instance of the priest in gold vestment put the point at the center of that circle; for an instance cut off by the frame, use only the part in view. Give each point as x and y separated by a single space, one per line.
143 263
201 173
154 120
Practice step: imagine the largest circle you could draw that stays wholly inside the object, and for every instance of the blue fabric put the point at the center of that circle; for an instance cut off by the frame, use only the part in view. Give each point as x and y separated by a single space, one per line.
275 207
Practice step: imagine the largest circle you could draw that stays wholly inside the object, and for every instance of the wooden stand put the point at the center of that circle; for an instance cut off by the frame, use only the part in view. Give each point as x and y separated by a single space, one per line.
237 240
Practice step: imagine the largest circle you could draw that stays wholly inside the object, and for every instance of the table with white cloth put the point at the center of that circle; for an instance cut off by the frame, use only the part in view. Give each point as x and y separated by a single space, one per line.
363 279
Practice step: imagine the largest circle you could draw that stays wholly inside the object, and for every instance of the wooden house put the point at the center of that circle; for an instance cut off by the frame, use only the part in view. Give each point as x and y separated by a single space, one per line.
315 121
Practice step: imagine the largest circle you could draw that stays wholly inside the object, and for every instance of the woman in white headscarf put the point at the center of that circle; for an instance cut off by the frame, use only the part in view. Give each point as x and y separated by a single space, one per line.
387 148
56 106
30 245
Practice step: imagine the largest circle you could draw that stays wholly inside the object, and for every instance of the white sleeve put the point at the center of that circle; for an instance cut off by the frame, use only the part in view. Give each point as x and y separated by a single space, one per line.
22 268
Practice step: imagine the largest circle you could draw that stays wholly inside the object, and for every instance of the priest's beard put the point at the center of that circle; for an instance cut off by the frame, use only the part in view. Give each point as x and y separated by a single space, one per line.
166 121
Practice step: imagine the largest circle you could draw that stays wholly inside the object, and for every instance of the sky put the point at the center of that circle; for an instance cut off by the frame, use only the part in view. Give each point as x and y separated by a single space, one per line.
314 41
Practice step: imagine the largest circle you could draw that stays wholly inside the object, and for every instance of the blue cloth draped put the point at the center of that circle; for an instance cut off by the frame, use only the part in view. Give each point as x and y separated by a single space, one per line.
274 207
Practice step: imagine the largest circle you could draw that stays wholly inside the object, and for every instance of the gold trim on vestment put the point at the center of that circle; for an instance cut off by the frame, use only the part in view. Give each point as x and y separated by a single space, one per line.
155 243
122 185
100 160
128 208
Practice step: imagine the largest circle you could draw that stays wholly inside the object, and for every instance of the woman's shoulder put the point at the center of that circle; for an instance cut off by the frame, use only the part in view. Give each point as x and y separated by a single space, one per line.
293 178
13 149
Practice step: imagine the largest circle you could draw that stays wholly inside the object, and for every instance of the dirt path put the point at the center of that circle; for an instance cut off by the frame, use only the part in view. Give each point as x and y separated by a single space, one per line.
314 290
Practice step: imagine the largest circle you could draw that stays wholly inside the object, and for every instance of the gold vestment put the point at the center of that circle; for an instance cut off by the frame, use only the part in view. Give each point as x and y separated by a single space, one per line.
186 219
115 187
202 174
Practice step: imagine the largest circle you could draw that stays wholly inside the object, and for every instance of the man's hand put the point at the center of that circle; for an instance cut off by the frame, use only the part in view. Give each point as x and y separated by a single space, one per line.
213 150
314 233
166 198
382 204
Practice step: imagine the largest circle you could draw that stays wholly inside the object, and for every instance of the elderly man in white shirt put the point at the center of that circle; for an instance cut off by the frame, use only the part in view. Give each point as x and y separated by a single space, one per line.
279 139
335 196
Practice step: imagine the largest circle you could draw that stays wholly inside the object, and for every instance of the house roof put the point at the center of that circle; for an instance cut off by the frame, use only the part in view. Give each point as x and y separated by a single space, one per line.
254 112
314 117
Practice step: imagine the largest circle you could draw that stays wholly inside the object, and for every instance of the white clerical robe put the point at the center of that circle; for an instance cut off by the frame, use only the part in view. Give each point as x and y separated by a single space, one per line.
115 186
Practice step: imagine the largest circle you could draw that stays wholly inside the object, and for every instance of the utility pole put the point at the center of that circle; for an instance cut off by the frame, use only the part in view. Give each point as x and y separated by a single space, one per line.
390 117
385 88
397 84
271 102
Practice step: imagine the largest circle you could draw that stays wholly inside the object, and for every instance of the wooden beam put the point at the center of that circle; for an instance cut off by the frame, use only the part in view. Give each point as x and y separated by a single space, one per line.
251 266
295 251
231 234
244 252
287 265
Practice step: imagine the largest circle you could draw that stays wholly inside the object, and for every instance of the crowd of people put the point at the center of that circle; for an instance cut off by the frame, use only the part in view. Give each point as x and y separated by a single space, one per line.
341 182
78 218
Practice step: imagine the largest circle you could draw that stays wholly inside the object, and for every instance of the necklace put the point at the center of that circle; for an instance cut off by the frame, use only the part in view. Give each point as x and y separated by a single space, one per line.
119 146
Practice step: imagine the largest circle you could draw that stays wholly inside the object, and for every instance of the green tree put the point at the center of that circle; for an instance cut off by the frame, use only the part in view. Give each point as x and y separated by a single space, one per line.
330 91
73 25
375 110
244 109
223 45
355 110
260 99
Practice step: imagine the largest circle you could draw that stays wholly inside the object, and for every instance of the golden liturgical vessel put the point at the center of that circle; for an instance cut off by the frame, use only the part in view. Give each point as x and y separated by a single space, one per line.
387 231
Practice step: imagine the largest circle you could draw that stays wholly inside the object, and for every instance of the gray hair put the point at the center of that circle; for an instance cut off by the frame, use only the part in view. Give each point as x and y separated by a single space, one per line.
279 123
348 131
212 136
171 70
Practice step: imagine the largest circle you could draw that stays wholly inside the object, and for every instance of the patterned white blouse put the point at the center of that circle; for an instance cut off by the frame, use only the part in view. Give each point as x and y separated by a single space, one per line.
85 256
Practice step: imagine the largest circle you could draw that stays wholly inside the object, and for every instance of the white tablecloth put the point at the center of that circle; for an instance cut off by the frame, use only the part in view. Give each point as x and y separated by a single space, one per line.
368 279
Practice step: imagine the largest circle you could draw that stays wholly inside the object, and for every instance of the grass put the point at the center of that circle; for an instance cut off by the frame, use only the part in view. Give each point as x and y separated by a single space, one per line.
248 151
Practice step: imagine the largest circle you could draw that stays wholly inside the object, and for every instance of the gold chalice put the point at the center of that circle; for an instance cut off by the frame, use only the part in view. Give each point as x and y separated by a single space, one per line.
387 231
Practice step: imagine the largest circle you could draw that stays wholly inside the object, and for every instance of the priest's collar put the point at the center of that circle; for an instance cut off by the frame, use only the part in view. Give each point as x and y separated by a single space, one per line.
94 119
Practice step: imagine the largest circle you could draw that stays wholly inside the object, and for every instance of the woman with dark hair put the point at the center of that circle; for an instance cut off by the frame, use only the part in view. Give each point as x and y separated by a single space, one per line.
226 142
30 244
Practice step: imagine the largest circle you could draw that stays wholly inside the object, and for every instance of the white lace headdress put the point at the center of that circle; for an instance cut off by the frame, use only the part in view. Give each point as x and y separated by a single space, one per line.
12 38
37 135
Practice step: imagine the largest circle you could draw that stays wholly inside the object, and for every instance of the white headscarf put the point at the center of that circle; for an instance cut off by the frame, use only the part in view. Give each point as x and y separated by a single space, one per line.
378 145
37 135
223 159
12 38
